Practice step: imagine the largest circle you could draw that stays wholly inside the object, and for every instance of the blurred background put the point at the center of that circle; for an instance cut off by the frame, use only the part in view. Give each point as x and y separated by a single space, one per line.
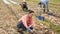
10 13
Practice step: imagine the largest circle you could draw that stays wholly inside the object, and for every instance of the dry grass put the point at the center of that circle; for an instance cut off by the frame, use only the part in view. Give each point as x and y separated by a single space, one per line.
8 21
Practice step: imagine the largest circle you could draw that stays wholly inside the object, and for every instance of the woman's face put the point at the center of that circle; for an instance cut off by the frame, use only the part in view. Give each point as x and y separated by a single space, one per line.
31 14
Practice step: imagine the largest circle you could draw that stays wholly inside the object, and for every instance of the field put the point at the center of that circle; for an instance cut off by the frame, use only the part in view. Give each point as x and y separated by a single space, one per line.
8 19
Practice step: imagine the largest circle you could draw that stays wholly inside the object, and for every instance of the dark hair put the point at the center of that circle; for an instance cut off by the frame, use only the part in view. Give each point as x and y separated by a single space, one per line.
30 11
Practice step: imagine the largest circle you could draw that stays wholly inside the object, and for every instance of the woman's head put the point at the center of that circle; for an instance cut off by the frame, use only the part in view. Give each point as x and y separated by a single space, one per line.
31 13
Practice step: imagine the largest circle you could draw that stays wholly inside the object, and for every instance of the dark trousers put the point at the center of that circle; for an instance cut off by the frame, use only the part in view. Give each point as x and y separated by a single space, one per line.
21 25
45 6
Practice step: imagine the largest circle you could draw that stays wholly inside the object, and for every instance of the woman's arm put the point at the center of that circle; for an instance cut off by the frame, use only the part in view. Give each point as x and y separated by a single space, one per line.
24 22
33 22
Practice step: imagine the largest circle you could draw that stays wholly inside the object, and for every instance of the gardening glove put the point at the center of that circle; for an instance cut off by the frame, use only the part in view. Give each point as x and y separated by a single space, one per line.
28 29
